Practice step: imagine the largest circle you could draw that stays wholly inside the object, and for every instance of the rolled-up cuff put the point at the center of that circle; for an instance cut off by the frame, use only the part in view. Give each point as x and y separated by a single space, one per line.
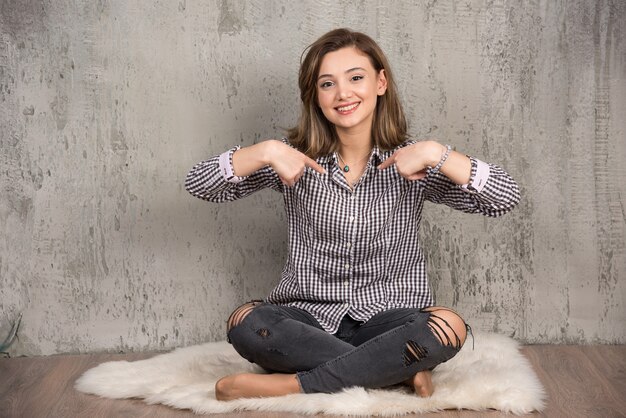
478 177
226 166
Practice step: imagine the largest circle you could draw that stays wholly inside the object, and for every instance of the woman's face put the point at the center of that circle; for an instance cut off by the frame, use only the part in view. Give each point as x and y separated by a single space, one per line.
348 87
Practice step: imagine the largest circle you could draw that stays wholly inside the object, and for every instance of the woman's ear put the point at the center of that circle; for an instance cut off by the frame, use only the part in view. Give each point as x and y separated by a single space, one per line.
382 82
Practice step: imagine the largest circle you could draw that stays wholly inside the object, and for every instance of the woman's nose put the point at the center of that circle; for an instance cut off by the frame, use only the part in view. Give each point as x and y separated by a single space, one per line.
343 91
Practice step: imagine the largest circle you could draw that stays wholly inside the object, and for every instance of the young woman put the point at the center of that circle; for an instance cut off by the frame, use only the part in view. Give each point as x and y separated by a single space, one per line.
353 306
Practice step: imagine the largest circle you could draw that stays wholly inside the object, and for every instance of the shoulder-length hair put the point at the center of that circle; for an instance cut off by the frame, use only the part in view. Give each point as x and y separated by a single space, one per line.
315 135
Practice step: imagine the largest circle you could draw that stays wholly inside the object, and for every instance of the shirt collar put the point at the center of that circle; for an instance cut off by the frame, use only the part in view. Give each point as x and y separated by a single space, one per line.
377 157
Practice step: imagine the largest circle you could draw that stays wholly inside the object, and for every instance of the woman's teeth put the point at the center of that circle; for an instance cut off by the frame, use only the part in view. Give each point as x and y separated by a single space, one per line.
347 108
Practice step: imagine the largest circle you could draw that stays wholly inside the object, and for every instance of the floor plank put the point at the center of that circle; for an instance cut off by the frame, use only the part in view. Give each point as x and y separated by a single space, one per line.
581 381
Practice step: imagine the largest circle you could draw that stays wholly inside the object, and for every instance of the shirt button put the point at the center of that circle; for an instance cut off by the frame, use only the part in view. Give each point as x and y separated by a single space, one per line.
352 218
347 266
348 244
346 283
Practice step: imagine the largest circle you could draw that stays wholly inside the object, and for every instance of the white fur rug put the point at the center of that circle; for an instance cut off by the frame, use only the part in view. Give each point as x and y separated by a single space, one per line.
495 375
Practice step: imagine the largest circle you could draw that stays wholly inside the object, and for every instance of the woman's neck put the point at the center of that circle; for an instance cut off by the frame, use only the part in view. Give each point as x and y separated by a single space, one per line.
353 147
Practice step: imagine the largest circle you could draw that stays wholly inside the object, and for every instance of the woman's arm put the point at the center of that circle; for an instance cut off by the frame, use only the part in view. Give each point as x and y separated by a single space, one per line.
413 162
463 183
240 172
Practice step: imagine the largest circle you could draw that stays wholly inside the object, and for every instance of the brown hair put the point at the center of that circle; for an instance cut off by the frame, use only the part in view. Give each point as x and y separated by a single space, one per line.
315 135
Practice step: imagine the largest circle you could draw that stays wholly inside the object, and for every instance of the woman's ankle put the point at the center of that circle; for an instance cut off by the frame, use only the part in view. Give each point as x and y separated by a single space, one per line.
250 385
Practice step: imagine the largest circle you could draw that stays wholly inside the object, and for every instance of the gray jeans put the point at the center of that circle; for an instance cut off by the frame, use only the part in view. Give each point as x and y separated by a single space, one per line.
388 349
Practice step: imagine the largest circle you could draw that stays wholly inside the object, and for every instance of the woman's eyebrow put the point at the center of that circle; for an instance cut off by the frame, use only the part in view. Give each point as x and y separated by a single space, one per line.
347 71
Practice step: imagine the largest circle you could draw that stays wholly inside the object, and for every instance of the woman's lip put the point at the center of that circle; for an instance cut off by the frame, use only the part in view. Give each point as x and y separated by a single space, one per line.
347 112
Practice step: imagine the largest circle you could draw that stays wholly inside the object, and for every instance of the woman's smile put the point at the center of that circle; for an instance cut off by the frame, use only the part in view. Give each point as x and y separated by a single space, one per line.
348 109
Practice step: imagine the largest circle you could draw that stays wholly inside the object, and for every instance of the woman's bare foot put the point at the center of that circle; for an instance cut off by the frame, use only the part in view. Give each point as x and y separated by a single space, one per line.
422 383
250 385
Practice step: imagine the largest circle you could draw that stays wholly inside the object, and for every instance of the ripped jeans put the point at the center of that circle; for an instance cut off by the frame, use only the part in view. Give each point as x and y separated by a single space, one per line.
390 348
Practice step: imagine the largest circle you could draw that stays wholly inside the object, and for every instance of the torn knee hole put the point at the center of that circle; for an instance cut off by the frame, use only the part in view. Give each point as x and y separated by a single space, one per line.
447 336
413 353
239 314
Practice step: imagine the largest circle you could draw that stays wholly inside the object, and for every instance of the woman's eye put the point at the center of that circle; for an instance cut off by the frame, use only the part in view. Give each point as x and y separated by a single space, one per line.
326 84
357 77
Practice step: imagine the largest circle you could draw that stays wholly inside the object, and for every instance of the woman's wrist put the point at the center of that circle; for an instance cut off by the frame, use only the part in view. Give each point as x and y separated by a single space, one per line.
437 152
442 161
265 150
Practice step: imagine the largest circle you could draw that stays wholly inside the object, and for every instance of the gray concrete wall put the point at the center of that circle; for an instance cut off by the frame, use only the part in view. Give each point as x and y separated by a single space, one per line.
105 105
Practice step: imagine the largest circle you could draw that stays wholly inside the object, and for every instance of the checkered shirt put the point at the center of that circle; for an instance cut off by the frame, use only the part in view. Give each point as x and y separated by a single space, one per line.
355 251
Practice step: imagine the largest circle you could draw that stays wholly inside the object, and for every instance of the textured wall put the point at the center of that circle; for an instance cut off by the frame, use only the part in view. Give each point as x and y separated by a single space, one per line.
105 105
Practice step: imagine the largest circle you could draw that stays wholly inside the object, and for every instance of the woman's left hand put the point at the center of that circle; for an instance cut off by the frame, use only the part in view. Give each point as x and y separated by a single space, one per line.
413 161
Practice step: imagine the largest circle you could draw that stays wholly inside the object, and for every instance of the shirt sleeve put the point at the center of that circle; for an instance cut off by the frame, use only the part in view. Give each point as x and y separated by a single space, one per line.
214 179
490 191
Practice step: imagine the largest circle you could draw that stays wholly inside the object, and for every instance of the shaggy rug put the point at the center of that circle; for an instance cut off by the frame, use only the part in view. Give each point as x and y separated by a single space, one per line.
493 375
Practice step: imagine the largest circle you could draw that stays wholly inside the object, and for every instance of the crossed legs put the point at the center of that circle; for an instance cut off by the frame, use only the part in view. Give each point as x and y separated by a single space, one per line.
429 337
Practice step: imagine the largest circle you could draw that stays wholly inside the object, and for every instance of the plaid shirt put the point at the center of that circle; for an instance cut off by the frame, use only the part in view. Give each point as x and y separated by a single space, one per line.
355 251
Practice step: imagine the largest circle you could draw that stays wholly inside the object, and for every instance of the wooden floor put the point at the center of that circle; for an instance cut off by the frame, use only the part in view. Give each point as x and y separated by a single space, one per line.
581 381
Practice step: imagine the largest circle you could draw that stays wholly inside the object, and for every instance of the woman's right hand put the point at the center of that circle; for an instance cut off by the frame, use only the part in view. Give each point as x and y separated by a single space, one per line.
287 162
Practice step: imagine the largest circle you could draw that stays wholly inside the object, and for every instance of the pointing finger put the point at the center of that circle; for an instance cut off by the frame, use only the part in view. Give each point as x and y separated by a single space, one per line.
389 161
314 165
